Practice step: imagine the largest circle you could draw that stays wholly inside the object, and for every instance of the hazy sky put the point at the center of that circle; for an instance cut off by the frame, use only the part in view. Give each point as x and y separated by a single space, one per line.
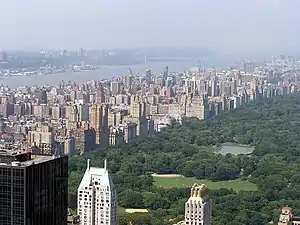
232 25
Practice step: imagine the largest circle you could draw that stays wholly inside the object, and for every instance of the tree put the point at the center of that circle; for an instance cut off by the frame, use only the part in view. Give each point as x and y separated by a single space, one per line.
131 198
272 126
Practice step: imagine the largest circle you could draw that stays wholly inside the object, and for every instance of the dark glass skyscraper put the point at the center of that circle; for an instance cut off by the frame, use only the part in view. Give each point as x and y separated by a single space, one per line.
33 189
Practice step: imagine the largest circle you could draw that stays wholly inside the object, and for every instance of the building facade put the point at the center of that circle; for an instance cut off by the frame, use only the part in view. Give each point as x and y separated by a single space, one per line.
97 198
98 116
33 189
287 218
198 208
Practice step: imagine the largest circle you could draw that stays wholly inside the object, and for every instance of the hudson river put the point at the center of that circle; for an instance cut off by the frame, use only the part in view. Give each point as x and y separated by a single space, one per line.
104 72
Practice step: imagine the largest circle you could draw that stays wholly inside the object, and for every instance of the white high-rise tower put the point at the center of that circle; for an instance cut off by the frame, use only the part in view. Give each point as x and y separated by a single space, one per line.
198 208
97 198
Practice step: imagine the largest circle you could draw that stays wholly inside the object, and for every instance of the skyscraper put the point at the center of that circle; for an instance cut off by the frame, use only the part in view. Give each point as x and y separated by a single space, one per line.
115 87
198 208
128 79
33 188
166 72
97 198
98 115
165 75
136 110
148 76
213 88
43 97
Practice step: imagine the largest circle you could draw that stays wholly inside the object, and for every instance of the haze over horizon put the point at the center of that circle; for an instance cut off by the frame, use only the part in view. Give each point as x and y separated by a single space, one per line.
232 26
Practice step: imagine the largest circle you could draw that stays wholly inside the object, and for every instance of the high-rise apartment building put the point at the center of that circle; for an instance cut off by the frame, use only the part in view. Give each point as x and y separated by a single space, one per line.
128 79
214 87
33 189
56 112
136 110
19 109
165 75
115 87
98 115
72 113
249 67
97 198
42 96
166 72
148 76
42 137
198 208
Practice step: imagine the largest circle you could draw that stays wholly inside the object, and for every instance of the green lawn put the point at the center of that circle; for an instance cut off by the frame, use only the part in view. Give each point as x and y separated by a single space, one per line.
237 185
120 210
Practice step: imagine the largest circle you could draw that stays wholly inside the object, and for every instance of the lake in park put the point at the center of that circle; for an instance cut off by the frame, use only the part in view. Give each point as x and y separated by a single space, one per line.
235 149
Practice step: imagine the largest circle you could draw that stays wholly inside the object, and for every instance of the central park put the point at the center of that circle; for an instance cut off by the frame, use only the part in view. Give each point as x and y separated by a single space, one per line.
186 182
249 180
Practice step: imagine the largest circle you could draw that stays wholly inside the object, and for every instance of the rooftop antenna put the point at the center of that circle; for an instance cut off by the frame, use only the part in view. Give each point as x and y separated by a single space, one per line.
105 164
88 164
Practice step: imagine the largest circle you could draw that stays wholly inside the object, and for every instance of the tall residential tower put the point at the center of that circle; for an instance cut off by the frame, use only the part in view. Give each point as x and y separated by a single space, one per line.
97 198
198 208
98 115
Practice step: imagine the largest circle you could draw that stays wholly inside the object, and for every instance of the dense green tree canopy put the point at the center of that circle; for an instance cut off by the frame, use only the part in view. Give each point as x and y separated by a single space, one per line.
272 127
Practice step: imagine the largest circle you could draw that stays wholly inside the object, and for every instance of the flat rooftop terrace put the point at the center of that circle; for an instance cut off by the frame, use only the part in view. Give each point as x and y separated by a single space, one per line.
23 159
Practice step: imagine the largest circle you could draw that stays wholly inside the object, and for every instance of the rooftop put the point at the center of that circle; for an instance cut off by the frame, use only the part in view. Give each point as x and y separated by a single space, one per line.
23 160
22 156
98 173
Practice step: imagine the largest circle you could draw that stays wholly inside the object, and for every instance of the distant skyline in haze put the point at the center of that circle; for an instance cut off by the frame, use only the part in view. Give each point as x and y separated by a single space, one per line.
233 26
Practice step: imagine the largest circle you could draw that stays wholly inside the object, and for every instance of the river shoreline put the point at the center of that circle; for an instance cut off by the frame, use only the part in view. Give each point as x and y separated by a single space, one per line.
99 67
108 72
103 72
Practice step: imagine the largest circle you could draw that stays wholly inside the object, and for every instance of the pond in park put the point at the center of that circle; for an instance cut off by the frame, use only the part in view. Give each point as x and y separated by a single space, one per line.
235 149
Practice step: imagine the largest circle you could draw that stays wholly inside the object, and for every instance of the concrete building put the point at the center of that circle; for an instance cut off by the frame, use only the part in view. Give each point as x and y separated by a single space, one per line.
66 145
115 87
128 79
85 138
72 113
19 109
98 115
198 208
97 198
56 112
141 125
287 218
42 138
136 110
116 136
129 130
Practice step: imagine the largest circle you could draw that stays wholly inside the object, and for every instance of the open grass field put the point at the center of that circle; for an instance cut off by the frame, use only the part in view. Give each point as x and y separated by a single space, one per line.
237 185
122 211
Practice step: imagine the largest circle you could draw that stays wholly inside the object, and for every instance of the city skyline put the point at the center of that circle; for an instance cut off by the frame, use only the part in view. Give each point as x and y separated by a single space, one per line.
149 127
232 26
